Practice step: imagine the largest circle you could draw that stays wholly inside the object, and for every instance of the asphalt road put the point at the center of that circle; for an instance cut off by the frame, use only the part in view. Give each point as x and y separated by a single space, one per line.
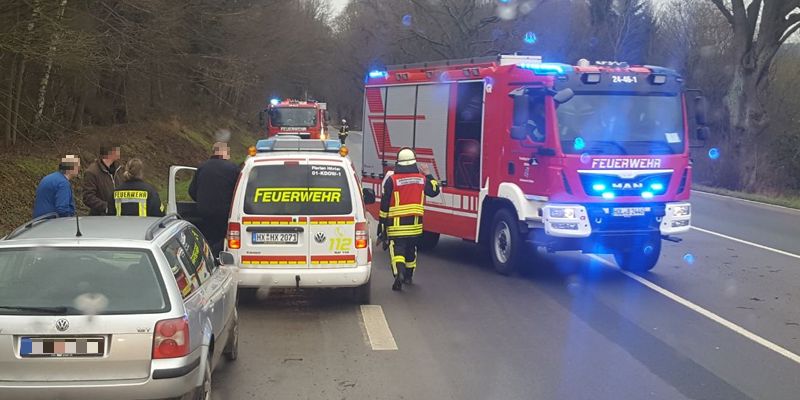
716 319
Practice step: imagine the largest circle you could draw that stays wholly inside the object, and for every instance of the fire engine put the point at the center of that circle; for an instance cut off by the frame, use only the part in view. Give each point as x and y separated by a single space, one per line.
591 157
307 119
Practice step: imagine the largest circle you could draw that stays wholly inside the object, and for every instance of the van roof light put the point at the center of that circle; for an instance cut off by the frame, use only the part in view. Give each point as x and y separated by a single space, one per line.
297 144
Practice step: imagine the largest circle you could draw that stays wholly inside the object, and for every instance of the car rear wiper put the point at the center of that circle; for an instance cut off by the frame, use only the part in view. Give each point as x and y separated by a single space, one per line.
58 310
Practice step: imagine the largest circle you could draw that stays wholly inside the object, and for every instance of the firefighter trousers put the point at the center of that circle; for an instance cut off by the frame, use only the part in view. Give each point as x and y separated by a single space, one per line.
403 253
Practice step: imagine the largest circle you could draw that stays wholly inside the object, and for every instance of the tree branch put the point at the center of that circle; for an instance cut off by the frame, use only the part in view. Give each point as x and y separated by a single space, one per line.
727 13
793 23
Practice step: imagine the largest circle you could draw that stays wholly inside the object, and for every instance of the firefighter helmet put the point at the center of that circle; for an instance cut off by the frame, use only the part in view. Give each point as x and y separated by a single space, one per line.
406 157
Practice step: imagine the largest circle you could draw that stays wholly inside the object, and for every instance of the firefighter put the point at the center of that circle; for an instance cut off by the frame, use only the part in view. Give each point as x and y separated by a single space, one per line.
136 197
401 213
344 130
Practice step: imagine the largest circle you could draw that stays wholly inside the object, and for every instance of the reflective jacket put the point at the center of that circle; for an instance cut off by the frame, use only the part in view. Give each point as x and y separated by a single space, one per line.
138 198
403 200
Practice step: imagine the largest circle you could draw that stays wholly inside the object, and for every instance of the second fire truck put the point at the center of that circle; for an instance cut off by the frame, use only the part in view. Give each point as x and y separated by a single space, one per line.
591 157
307 119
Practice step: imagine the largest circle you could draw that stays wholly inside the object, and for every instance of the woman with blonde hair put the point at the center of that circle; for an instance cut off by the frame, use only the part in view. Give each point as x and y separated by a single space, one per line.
136 197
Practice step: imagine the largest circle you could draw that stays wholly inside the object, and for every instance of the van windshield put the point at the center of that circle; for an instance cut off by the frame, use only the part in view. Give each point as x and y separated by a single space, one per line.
294 189
79 280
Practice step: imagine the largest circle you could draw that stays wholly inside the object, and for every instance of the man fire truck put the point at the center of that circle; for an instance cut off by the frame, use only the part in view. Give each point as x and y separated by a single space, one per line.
592 157
307 119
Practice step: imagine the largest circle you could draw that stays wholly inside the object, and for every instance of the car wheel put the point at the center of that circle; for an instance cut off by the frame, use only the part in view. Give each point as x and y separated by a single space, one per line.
641 258
428 241
363 294
232 349
506 243
204 391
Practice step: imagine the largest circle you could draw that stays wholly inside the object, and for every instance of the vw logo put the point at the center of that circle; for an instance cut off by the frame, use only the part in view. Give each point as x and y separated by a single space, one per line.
319 237
62 325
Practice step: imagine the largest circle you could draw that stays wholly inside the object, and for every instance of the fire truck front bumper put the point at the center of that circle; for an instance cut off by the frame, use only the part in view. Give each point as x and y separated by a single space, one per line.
583 221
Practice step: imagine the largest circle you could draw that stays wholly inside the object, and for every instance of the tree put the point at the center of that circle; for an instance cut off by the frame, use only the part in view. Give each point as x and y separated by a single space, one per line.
759 30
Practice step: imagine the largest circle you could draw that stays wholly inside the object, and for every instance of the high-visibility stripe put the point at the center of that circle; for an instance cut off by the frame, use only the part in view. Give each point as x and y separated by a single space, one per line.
274 220
342 219
274 260
383 214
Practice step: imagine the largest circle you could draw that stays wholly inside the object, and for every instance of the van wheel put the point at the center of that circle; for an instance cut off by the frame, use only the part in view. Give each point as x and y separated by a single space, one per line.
642 257
505 242
428 241
231 351
363 294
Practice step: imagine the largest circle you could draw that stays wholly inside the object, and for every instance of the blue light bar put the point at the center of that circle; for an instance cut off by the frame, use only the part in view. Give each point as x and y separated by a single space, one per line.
657 187
544 69
647 195
378 74
297 144
599 187
265 145
608 195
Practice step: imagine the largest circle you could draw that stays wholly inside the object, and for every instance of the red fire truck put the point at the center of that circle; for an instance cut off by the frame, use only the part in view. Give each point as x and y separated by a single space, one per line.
591 157
307 119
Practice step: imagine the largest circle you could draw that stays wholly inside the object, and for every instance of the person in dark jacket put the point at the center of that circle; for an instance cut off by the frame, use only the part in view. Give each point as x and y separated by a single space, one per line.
100 180
212 188
135 197
54 193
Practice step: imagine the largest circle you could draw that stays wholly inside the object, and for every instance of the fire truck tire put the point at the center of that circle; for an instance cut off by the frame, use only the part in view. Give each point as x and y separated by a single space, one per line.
428 241
641 259
506 244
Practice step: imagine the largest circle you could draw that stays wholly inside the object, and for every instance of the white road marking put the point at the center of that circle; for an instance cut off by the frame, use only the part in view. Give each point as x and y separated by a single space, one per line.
760 246
702 311
793 210
380 337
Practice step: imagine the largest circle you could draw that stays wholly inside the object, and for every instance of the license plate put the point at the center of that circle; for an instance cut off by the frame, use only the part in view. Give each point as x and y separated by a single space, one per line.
631 211
61 347
274 238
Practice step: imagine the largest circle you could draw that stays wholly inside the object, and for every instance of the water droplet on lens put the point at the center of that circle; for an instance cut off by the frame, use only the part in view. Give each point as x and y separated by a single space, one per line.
586 158
530 38
713 153
407 20
648 250
688 258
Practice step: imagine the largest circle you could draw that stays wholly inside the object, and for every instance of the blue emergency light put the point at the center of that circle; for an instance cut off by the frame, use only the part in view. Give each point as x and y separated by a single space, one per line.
378 74
545 68
297 144
274 102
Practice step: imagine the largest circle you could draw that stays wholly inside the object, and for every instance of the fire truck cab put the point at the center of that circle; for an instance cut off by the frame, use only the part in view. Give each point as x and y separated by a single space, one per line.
591 157
307 119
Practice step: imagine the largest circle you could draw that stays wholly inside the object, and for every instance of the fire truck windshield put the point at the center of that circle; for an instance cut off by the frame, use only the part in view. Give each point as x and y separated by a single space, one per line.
293 116
621 124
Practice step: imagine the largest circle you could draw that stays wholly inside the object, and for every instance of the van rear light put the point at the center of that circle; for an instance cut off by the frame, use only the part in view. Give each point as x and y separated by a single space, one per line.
361 235
171 338
234 235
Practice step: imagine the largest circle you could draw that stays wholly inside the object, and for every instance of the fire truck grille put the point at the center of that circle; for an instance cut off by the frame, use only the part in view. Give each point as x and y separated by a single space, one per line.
613 186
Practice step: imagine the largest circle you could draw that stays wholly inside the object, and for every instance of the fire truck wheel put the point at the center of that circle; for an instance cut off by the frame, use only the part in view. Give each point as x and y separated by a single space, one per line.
428 241
642 258
506 243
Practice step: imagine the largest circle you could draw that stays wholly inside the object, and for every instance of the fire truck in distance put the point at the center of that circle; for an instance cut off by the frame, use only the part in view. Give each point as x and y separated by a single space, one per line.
307 119
591 157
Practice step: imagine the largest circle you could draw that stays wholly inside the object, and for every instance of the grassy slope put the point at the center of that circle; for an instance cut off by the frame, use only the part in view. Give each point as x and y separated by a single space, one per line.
158 144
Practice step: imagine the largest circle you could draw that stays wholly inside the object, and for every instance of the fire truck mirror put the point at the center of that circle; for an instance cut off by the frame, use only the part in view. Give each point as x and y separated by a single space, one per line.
702 133
369 196
563 96
700 110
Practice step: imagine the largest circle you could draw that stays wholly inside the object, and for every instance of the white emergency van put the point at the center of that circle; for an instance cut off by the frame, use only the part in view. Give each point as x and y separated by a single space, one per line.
298 218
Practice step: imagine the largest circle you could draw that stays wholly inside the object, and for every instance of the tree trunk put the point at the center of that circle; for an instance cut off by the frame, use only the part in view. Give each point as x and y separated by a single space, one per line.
747 120
9 108
54 37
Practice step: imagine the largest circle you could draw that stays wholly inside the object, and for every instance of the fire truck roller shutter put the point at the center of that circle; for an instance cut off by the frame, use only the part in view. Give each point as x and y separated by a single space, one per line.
373 126
430 139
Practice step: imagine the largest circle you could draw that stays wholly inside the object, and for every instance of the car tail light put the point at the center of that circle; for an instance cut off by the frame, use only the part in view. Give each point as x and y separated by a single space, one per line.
361 235
171 338
234 235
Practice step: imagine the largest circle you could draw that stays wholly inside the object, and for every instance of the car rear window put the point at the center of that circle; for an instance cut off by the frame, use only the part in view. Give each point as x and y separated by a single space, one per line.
82 280
295 189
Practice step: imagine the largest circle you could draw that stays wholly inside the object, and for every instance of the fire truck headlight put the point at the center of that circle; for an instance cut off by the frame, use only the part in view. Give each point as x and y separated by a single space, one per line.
682 210
562 212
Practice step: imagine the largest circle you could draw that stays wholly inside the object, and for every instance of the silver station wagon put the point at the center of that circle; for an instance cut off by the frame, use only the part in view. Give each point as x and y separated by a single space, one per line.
113 308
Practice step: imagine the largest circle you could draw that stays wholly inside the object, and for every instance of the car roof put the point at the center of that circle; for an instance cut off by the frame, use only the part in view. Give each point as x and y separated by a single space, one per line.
105 227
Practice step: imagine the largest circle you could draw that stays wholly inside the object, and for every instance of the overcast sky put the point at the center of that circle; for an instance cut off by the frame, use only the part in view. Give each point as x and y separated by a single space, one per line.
338 5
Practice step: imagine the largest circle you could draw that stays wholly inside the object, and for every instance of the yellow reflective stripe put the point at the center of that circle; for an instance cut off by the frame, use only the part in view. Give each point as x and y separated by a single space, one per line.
143 209
383 214
396 198
391 253
434 184
118 204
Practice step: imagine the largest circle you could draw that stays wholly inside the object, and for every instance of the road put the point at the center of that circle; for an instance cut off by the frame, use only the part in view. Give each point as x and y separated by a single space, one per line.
718 318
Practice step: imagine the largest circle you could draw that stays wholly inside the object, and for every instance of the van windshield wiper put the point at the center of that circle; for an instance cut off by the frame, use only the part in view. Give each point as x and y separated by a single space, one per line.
58 310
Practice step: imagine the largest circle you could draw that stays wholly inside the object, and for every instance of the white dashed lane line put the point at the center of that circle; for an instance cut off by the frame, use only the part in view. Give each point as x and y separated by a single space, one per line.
760 246
378 332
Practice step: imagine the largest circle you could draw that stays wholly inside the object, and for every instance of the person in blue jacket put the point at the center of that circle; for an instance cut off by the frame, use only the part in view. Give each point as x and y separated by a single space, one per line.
54 193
